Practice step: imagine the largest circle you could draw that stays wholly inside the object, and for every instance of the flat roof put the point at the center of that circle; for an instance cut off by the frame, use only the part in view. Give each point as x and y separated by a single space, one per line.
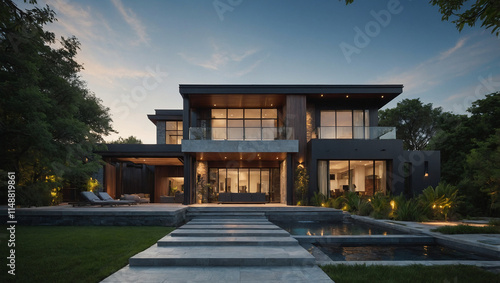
289 89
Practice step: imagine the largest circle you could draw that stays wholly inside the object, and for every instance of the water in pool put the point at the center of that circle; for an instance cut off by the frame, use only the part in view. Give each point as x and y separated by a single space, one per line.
312 228
416 252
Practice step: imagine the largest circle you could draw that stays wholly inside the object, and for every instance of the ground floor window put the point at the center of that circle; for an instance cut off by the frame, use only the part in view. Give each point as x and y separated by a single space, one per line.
365 177
175 185
246 180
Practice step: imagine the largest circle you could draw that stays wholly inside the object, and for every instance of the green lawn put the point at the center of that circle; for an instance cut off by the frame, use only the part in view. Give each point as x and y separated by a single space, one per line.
466 229
74 253
413 274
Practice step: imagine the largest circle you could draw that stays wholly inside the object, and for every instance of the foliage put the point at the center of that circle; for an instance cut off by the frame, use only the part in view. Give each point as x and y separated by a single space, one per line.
441 201
494 222
485 11
77 254
318 199
483 164
415 122
301 185
466 229
381 206
337 203
129 140
351 202
408 209
49 121
413 273
365 207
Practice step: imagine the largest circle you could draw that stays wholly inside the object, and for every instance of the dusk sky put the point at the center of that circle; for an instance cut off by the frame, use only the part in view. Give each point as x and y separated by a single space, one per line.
136 53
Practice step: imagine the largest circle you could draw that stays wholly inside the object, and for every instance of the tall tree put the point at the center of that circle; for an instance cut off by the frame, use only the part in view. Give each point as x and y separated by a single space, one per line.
129 140
415 122
49 121
465 12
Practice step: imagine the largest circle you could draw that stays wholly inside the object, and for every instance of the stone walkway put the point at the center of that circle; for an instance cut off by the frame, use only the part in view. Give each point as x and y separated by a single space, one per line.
224 248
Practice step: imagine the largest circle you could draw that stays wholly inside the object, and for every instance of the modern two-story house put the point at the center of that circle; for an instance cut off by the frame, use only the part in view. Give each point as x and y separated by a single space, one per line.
243 143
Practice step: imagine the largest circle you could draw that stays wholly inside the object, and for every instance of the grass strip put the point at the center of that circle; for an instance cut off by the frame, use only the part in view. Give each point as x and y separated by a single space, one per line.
411 273
75 253
466 229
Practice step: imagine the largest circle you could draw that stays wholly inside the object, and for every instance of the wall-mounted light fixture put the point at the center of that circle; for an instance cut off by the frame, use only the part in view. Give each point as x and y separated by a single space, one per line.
426 168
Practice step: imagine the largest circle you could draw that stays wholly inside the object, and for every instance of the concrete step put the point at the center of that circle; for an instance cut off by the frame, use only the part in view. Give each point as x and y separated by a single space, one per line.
229 227
228 233
223 256
229 222
227 214
234 220
169 241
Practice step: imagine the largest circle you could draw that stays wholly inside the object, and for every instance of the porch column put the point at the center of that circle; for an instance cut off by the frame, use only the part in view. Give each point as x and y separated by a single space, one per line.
290 176
188 179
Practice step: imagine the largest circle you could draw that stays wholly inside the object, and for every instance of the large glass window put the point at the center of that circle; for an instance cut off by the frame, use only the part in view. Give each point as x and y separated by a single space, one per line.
244 124
365 177
173 132
246 180
344 124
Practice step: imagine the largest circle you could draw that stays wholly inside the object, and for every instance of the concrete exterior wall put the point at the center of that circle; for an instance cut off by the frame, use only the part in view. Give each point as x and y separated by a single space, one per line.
161 132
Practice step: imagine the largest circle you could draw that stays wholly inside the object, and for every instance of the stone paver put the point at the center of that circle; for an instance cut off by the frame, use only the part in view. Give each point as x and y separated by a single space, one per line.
224 248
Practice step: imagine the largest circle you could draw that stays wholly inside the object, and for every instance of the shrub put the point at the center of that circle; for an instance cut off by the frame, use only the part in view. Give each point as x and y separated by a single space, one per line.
335 202
381 206
318 199
351 202
440 202
364 207
408 210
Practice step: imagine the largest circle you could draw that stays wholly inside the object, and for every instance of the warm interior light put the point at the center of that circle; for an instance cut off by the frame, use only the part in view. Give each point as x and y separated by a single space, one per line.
426 174
321 95
347 96
382 96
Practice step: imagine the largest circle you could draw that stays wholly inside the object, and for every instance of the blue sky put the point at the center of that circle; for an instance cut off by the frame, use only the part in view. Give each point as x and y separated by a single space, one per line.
136 53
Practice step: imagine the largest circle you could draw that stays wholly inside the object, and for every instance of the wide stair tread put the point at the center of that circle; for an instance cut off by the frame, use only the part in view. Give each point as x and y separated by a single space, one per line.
223 256
226 241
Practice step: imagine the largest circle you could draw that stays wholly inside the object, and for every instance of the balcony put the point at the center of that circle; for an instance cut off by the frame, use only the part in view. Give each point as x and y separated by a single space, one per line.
240 134
361 133
277 139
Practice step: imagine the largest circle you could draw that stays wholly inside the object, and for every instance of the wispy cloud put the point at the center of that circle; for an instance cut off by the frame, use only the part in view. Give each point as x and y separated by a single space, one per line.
452 50
130 17
223 59
466 55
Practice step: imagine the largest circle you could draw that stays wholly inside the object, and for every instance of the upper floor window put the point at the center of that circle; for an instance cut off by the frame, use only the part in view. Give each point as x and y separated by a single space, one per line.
344 124
174 132
244 124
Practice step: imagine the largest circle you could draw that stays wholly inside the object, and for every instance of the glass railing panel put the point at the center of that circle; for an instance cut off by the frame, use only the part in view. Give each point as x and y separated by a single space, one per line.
367 133
247 133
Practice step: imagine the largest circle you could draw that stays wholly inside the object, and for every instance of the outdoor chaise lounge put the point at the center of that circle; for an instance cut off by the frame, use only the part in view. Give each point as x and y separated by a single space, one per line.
95 200
106 197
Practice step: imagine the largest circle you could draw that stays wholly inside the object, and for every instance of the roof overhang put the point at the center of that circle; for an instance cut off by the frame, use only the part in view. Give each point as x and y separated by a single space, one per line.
274 95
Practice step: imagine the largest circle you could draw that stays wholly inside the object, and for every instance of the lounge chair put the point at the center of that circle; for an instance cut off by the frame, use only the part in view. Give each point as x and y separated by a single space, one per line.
93 199
106 197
